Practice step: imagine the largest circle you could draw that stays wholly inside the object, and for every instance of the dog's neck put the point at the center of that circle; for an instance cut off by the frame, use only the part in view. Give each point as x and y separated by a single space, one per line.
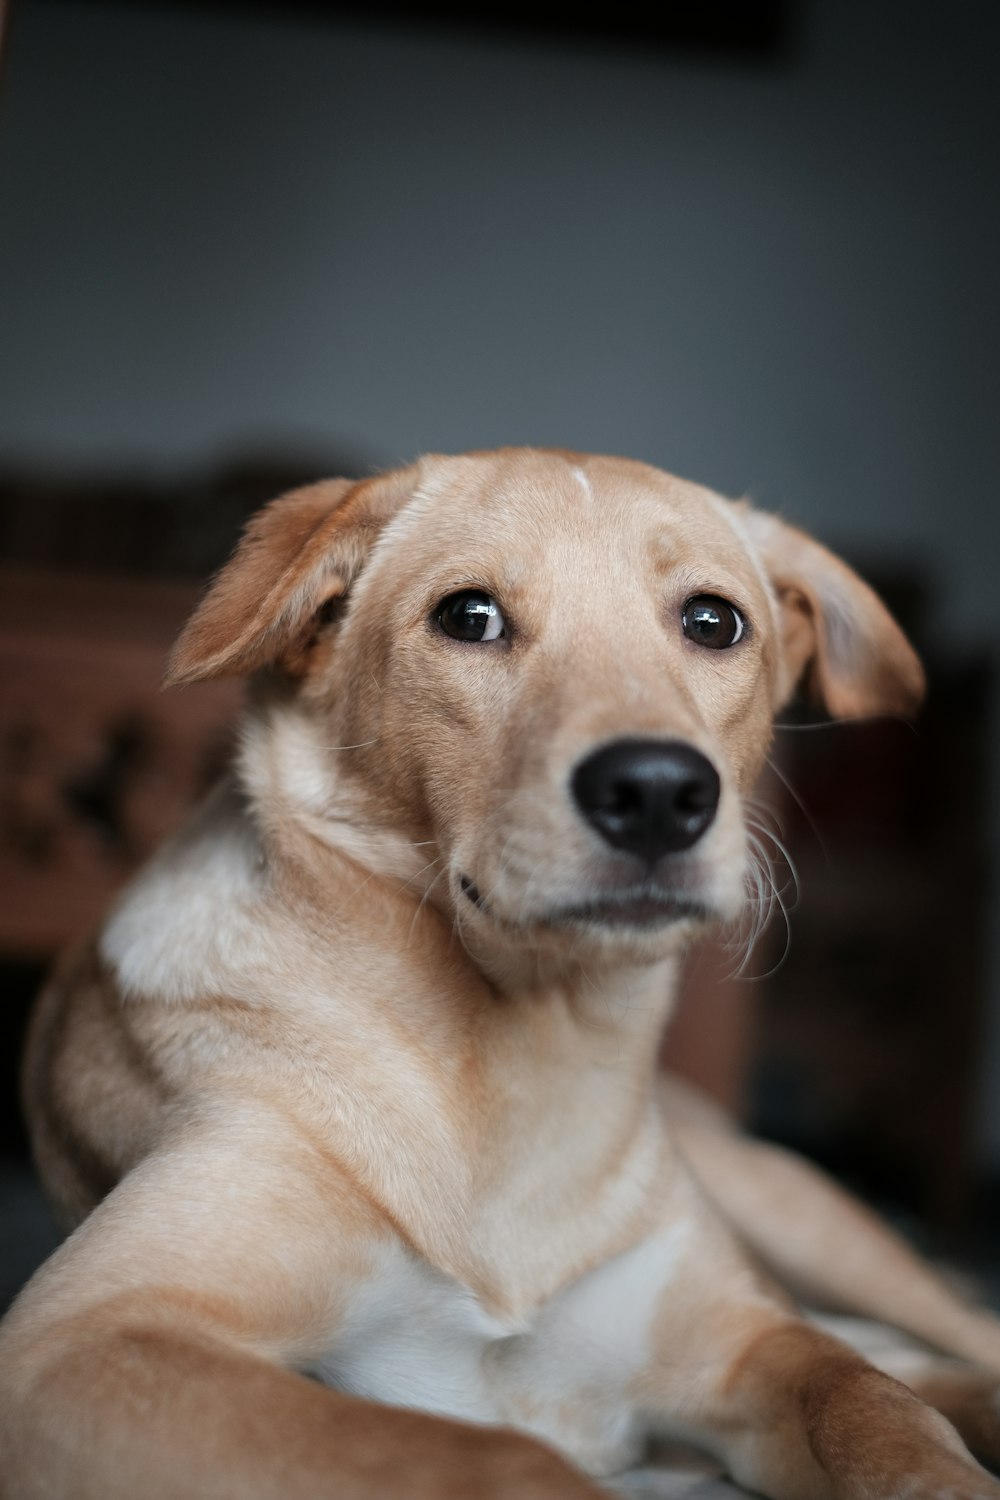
543 1069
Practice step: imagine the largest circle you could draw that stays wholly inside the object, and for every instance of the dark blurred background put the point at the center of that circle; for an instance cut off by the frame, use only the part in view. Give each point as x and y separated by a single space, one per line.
244 245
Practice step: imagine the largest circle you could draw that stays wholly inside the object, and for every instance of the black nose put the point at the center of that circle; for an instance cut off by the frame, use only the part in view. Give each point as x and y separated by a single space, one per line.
649 797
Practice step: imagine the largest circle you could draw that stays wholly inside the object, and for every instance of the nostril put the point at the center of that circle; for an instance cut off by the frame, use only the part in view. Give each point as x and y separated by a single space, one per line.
648 797
623 797
696 796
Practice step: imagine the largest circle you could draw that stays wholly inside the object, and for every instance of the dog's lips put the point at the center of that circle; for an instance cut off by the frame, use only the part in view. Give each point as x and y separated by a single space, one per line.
641 906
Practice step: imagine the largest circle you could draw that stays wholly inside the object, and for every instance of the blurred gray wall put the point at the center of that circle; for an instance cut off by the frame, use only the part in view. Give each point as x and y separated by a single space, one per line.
777 279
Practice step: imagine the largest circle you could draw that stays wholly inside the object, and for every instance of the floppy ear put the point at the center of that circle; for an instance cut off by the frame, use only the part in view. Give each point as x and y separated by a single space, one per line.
841 646
297 554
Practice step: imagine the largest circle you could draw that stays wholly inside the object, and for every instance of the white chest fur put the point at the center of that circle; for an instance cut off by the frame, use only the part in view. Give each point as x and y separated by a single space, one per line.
414 1337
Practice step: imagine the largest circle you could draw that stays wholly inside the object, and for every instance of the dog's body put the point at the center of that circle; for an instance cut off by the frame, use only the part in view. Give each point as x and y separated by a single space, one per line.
360 1078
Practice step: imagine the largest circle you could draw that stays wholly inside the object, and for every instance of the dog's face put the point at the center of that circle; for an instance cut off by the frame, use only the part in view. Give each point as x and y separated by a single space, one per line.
552 675
573 666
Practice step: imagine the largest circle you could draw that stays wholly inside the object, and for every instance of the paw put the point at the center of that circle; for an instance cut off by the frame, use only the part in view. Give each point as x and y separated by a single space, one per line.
948 1481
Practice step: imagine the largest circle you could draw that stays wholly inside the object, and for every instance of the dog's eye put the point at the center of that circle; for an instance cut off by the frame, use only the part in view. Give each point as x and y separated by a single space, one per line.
711 621
471 616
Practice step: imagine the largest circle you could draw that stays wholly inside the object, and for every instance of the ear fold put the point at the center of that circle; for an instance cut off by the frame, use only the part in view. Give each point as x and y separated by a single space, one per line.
296 555
841 646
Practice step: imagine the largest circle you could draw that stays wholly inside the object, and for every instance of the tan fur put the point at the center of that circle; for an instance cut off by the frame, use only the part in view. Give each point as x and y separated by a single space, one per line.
316 1108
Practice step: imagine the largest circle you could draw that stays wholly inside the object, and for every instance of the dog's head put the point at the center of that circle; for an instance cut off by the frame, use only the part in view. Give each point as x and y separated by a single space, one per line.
548 678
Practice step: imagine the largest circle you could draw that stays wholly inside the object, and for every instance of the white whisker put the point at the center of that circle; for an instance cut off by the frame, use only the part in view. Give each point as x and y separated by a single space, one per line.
764 894
806 814
361 745
425 897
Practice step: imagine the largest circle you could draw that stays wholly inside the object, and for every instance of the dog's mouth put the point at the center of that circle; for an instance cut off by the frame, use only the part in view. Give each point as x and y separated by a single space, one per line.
644 907
641 907
472 891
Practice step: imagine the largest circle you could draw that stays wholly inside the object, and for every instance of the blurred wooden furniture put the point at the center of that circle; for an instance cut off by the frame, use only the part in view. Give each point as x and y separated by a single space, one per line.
712 1038
96 763
872 1032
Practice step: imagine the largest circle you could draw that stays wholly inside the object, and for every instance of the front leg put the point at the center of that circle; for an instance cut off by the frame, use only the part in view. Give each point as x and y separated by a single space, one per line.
156 1354
796 1415
817 1239
789 1410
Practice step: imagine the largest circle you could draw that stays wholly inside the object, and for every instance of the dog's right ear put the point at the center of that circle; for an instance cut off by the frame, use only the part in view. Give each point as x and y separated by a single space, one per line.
297 554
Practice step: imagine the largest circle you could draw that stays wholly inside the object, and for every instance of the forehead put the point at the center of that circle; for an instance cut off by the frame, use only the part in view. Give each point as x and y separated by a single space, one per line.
523 512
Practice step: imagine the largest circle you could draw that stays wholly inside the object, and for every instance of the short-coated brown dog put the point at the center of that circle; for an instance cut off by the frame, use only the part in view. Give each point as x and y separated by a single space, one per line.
359 1081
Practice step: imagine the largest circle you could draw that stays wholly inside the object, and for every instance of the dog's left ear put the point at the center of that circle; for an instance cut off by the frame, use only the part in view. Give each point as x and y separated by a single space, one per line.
841 646
298 555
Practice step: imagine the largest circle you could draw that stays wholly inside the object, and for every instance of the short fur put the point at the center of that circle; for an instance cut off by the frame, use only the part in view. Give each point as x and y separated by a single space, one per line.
348 1086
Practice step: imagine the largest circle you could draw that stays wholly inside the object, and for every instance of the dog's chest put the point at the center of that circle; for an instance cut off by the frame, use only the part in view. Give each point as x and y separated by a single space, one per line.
414 1337
417 1338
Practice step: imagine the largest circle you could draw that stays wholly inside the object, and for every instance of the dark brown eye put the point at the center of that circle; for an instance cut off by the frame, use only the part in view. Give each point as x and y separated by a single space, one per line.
711 621
470 616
